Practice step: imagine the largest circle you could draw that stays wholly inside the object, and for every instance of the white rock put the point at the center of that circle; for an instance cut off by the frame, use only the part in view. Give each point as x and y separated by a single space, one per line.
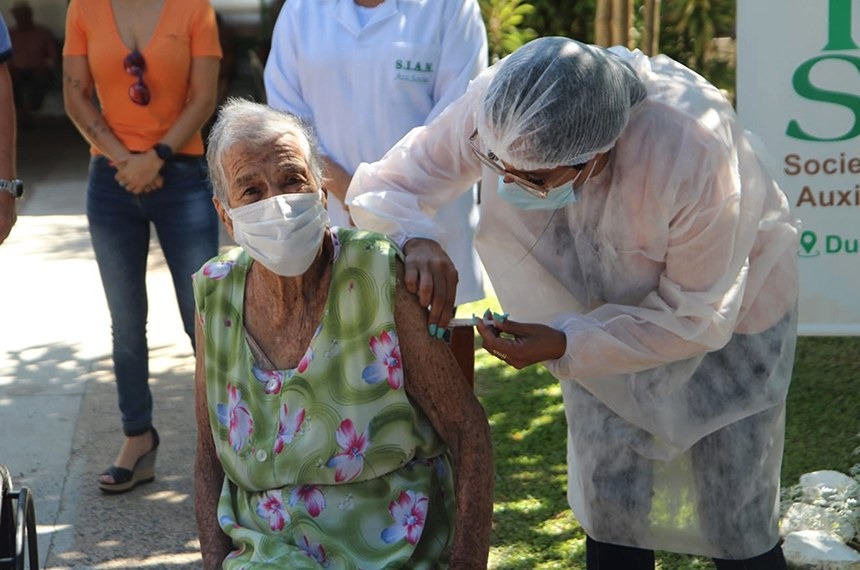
830 479
801 516
818 550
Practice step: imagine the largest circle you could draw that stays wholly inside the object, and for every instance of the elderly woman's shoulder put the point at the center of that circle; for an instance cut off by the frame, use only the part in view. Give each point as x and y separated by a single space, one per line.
221 267
363 239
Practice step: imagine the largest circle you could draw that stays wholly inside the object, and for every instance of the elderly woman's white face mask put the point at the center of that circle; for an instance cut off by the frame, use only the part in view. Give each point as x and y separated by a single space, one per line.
283 232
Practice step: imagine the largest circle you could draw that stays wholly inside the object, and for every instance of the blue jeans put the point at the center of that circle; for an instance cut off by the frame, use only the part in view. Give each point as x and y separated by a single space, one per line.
119 222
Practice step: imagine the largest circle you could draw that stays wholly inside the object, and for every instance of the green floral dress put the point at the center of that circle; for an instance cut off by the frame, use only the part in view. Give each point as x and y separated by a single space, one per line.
328 465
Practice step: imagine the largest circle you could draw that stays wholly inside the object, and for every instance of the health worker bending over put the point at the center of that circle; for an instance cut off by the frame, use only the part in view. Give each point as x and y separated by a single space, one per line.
647 258
328 418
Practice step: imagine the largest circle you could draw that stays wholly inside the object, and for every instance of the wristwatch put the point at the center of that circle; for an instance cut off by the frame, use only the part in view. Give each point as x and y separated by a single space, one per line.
14 187
163 151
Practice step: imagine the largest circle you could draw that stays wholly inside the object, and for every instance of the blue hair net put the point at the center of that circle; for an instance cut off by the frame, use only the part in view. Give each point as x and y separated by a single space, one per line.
557 101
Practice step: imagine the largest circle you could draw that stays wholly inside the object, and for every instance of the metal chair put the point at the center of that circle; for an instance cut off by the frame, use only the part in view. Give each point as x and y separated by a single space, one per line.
17 525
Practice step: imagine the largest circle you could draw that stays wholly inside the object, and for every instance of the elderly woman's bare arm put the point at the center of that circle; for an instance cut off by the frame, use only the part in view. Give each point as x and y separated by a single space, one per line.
208 474
435 383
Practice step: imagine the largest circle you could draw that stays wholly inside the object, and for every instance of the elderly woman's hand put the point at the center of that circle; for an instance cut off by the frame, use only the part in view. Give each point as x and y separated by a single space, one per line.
522 344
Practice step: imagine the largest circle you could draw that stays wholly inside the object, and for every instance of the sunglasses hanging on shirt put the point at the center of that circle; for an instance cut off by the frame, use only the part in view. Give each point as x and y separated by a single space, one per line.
134 64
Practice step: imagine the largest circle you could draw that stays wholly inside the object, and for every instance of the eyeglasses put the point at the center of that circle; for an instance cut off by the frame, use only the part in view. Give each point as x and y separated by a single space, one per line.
134 64
531 184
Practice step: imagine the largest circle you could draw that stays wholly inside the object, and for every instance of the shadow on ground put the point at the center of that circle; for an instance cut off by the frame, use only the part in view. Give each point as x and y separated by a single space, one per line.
152 526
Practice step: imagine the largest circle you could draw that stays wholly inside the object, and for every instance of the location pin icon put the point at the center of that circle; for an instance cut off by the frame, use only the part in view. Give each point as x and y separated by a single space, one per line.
807 241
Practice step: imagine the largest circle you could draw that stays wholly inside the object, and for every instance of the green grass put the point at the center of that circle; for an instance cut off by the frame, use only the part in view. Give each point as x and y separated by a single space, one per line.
533 527
823 416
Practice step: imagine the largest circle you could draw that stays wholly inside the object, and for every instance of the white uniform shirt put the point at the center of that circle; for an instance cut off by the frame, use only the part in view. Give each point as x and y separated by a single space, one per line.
364 87
681 244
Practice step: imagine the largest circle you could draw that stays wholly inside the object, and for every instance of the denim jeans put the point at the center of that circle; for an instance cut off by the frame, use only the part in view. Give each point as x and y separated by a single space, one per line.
182 213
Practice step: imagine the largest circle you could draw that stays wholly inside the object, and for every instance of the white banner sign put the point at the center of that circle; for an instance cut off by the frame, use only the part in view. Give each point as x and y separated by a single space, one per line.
798 89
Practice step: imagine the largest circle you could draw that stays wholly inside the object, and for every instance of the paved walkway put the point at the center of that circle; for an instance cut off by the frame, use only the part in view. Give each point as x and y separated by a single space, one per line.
59 424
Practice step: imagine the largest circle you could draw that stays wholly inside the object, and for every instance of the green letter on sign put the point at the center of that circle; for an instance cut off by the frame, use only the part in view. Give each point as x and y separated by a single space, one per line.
839 37
806 89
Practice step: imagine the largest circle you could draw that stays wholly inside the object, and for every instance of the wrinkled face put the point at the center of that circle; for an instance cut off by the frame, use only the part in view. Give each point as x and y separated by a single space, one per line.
255 172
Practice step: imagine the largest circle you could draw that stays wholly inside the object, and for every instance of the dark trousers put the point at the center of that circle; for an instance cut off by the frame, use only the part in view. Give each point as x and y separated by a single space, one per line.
605 556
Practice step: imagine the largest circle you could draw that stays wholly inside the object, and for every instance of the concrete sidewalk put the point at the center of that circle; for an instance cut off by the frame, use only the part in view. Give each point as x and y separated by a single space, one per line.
59 423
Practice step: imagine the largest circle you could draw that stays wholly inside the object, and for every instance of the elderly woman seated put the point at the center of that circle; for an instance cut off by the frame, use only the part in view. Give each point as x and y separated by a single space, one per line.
333 430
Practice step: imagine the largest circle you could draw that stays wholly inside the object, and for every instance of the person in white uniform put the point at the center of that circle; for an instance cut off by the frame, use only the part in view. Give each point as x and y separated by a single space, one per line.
365 72
648 259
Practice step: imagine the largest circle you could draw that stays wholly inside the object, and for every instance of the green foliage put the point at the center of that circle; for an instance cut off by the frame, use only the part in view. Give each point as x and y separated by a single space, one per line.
504 21
564 18
693 27
688 28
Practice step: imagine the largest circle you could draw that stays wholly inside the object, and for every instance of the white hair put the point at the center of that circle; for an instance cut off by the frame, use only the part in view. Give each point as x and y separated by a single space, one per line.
243 121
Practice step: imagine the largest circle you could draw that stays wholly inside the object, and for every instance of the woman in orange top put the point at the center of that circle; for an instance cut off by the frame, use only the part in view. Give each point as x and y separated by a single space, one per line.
153 65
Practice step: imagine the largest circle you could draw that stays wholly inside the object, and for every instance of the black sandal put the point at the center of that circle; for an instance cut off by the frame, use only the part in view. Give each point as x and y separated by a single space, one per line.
125 480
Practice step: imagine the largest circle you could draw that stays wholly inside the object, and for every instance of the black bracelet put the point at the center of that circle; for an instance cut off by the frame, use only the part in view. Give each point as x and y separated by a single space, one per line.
163 151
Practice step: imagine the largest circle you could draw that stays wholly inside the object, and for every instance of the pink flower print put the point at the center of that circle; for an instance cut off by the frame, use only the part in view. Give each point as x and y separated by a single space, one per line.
349 462
288 427
309 356
314 550
271 507
218 269
409 512
387 365
311 496
271 379
306 360
240 425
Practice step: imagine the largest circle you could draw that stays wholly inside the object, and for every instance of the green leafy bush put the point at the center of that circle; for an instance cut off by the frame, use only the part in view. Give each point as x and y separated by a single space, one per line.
505 29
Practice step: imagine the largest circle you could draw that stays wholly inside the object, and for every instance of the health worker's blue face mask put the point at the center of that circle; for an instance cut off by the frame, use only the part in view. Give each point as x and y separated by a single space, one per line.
555 199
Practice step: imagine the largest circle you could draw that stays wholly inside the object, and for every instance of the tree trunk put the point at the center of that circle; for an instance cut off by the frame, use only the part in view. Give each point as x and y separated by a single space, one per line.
619 22
651 27
612 22
631 23
602 16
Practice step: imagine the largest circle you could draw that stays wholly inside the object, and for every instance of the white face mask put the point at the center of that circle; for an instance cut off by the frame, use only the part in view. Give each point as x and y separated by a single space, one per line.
283 232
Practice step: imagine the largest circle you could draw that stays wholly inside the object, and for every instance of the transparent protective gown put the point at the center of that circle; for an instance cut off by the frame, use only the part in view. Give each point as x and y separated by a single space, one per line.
674 279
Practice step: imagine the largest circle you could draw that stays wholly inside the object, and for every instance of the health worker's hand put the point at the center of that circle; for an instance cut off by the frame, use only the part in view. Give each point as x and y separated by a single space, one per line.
431 275
523 344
